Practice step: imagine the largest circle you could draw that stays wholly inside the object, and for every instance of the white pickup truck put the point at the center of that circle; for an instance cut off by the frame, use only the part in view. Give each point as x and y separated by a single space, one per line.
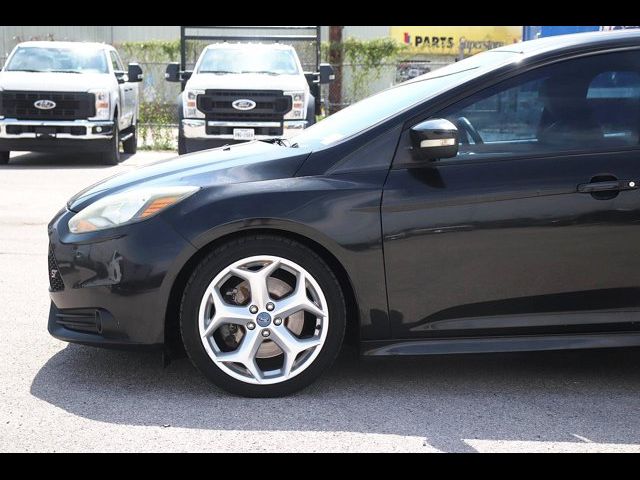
68 96
243 91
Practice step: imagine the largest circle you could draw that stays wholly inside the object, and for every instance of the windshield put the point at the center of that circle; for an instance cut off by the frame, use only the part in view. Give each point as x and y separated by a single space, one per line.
56 59
242 60
372 110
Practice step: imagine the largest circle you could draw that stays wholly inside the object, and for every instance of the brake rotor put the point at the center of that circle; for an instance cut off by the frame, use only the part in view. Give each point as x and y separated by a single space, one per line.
241 295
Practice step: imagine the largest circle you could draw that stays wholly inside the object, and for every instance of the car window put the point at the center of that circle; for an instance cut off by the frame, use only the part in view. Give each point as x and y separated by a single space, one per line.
588 103
116 62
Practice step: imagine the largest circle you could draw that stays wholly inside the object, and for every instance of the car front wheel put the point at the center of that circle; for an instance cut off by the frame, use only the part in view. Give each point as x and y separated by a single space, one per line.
262 316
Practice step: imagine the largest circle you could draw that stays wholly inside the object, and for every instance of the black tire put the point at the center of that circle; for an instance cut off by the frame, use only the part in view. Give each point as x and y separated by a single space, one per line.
234 250
182 145
4 158
311 111
130 145
112 156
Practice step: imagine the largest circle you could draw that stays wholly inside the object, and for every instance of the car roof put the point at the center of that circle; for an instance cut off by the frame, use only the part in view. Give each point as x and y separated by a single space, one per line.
251 46
52 43
585 40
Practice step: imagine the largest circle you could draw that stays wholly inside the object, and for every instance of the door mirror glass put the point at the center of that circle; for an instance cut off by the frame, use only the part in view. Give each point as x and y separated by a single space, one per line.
134 72
327 74
172 73
434 139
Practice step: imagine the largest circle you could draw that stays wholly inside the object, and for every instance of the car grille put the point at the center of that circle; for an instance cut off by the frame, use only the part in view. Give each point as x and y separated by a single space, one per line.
55 279
69 105
271 105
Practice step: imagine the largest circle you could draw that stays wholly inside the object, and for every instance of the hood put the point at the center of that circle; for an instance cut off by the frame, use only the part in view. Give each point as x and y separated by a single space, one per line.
247 81
55 82
245 162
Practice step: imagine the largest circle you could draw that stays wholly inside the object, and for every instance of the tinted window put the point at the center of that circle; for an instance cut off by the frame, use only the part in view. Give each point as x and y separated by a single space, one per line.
590 103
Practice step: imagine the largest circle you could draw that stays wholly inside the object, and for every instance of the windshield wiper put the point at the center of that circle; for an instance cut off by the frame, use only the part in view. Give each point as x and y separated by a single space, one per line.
283 142
265 72
64 71
27 70
217 71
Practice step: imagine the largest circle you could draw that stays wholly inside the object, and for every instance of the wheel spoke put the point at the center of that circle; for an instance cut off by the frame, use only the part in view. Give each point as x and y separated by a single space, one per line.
245 353
257 282
297 301
225 313
291 346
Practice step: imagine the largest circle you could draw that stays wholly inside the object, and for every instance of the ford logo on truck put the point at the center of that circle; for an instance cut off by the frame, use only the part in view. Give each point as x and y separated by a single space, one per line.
44 104
244 104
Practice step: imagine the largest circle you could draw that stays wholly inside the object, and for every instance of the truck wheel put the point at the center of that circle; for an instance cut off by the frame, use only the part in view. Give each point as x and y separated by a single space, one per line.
311 111
4 158
131 145
112 156
182 145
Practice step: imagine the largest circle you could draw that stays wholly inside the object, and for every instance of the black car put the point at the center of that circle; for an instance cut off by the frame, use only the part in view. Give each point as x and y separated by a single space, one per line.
491 205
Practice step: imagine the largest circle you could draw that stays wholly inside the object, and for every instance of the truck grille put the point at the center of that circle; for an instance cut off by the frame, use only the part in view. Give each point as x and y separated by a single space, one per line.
69 105
55 279
271 105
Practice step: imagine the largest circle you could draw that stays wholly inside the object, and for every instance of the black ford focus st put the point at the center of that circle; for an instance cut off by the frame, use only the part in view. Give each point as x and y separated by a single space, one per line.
491 205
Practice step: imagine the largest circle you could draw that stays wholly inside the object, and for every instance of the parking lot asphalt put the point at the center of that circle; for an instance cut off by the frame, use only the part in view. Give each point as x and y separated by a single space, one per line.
59 397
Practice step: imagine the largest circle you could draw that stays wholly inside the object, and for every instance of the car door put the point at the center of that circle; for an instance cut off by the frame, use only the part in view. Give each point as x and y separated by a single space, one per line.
127 93
537 228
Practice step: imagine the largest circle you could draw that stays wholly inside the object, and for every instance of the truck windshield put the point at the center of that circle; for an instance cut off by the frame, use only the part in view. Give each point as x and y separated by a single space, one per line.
381 106
242 60
58 59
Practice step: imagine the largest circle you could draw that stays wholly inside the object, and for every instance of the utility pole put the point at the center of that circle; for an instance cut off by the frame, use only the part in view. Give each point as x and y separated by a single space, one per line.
335 59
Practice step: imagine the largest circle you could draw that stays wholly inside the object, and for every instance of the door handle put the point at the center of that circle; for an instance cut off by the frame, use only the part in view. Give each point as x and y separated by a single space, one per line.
608 186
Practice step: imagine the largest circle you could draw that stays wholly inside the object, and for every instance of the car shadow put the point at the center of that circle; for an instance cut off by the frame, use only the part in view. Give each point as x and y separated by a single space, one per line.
37 160
546 396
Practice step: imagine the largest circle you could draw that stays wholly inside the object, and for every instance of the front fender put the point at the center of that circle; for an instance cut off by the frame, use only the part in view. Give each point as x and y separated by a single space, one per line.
341 213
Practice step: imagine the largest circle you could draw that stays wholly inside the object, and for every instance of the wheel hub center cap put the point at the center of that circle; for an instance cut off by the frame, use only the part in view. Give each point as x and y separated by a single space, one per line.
263 319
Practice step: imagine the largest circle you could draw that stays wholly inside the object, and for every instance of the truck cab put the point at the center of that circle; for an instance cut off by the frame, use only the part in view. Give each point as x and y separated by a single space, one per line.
68 96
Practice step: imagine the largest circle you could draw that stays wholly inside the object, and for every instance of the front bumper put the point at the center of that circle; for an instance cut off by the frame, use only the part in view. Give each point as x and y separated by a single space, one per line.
53 135
113 291
197 129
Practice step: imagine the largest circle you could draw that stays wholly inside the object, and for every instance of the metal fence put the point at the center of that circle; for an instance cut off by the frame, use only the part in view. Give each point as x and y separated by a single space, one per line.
354 82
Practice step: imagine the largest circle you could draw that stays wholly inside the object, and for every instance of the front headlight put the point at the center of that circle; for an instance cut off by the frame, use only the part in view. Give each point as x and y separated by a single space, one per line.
127 207
298 106
190 103
103 104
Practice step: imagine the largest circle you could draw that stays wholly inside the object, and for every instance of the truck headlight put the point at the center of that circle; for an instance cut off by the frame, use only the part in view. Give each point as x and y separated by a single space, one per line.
298 106
129 206
103 104
190 103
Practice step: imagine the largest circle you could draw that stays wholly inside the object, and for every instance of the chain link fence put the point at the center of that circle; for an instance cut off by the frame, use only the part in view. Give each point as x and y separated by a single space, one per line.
354 82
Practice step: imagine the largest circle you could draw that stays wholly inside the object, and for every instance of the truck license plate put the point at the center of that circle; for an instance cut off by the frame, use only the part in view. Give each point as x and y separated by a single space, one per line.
243 134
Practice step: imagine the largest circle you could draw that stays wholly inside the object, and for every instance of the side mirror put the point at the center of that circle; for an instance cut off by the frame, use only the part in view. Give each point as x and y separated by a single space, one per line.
134 72
186 75
327 75
172 73
434 139
121 76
